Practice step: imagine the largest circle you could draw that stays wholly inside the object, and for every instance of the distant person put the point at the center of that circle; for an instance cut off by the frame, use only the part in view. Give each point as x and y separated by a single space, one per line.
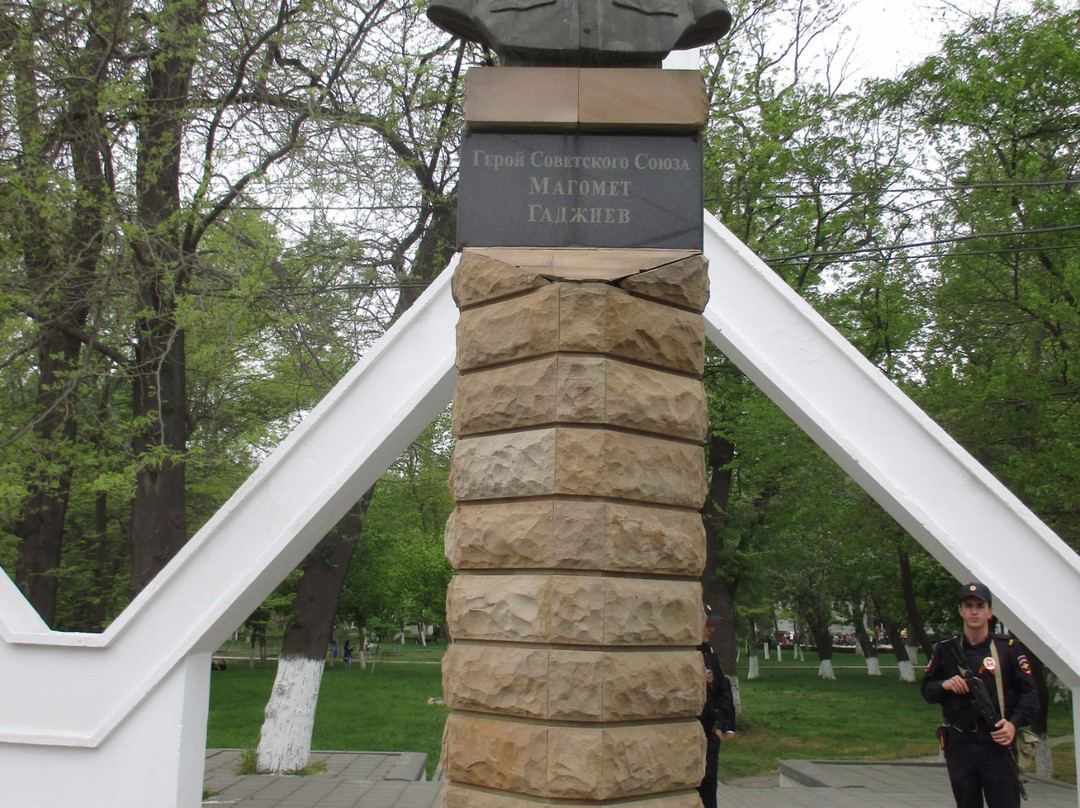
980 756
346 655
718 716
333 653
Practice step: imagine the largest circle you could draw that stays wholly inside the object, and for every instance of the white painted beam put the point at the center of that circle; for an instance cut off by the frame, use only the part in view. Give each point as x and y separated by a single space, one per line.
956 509
65 692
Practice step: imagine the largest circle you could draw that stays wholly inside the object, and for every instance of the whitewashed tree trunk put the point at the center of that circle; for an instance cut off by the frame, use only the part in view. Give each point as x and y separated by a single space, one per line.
1044 761
765 650
779 653
285 739
755 667
907 671
913 654
735 697
873 666
825 670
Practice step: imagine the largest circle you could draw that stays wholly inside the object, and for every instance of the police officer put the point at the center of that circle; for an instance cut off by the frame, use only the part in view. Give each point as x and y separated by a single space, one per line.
718 716
977 754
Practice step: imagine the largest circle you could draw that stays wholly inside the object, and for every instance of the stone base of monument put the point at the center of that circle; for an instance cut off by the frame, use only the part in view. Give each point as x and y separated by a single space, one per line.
578 474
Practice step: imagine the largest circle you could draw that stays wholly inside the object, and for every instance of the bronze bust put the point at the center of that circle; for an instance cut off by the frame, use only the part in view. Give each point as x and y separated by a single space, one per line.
583 33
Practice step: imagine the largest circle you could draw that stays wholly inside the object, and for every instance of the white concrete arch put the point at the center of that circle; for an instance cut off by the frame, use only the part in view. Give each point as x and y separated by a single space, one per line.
77 711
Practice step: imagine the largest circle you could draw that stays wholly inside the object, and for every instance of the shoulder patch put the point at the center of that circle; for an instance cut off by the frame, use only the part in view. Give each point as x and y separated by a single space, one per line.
1025 666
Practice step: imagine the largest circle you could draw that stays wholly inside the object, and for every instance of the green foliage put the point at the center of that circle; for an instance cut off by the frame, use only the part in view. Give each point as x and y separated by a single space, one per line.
399 573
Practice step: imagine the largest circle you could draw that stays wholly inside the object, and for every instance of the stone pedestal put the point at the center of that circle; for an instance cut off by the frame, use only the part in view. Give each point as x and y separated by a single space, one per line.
578 476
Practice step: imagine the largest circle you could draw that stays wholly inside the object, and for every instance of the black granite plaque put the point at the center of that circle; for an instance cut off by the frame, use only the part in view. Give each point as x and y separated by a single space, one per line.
540 190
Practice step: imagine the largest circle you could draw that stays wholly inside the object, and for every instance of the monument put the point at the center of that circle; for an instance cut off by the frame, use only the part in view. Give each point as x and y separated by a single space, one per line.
579 411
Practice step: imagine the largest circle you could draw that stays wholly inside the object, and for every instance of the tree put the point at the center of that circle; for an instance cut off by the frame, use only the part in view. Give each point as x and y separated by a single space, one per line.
415 122
799 170
133 132
998 123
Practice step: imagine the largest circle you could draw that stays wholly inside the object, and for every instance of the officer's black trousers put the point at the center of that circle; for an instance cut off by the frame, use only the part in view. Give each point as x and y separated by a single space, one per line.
981 769
707 789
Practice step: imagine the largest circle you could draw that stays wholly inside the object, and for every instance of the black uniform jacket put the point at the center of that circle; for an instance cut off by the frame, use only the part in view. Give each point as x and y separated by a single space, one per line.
1021 696
719 711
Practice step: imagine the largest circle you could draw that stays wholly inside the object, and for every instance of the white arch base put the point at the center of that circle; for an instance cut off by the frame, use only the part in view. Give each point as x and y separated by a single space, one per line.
119 719
154 758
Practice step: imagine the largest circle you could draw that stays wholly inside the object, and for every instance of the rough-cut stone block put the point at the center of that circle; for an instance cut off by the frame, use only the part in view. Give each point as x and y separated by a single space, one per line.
514 396
652 684
579 462
684 283
509 330
581 390
565 685
593 462
576 389
505 755
498 607
576 685
649 400
574 610
597 318
656 758
574 534
575 762
507 535
578 541
582 318
643 613
643 538
502 679
516 464
577 610
481 278
562 762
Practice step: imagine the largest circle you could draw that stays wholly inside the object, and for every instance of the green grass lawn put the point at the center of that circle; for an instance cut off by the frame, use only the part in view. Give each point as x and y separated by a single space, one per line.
384 709
788 712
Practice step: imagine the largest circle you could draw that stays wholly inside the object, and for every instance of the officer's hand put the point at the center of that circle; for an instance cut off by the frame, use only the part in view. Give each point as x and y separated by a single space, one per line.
730 735
1004 733
956 685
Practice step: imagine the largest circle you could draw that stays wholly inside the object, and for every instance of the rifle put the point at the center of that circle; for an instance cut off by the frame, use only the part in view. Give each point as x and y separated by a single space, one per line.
980 698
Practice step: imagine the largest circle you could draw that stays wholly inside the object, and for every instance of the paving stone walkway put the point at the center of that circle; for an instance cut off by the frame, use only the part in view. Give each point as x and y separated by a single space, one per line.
393 780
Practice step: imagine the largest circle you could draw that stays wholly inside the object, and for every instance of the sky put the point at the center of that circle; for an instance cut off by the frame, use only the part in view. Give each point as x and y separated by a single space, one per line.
890 36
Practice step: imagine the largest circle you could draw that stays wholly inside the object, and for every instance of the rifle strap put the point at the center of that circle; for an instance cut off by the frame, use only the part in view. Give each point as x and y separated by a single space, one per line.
999 677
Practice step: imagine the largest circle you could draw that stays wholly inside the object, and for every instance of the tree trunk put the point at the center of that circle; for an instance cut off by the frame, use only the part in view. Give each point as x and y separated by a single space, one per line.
903 661
752 649
718 589
869 650
285 737
61 260
164 262
916 632
818 620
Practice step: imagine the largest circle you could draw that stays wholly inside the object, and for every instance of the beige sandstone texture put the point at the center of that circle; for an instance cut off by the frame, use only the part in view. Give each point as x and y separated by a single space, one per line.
580 389
578 462
581 318
575 534
568 685
574 762
578 474
574 610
